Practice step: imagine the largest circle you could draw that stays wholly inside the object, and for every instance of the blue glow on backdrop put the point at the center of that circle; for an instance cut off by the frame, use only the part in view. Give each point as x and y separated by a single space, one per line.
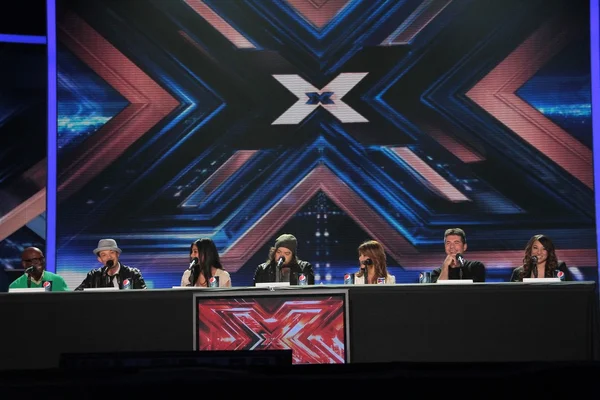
195 150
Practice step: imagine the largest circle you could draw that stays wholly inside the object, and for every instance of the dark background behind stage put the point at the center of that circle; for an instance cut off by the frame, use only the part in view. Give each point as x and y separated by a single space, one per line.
474 114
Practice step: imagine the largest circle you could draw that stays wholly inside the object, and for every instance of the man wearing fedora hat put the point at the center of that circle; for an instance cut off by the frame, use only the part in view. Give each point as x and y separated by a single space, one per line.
112 273
283 264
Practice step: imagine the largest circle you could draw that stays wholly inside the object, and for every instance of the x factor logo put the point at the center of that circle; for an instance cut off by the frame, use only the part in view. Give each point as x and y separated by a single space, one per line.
329 97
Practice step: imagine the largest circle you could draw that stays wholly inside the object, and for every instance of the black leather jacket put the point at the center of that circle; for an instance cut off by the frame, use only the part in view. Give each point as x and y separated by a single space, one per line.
265 272
517 275
97 278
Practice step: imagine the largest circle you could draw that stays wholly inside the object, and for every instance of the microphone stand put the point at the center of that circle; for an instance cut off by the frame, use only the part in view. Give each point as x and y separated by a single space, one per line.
193 268
365 269
105 278
534 267
194 274
277 268
28 272
461 263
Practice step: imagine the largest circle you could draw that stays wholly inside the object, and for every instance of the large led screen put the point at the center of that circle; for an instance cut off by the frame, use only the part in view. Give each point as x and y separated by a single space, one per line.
337 121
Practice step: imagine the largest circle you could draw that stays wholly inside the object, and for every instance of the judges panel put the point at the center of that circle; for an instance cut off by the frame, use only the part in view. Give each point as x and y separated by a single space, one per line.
413 323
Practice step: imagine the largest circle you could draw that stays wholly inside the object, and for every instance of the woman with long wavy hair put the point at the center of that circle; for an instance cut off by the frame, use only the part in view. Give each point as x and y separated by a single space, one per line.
372 259
540 261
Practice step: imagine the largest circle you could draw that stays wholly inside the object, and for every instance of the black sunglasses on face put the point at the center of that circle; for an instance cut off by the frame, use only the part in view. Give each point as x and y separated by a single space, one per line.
32 260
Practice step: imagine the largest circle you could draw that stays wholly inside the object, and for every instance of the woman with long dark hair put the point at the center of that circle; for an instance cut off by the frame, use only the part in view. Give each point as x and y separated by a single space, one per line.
205 264
540 261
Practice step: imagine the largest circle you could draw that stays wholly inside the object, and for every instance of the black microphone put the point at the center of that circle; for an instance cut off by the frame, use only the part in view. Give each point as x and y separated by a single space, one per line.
461 263
278 266
28 272
534 265
280 262
193 268
109 265
194 263
363 268
534 260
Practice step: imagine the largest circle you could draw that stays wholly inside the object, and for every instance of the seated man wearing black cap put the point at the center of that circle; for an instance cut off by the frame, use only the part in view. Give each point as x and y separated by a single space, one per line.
283 264
112 273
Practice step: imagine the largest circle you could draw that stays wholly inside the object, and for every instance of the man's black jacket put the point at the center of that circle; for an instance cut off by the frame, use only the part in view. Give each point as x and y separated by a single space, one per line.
98 278
265 272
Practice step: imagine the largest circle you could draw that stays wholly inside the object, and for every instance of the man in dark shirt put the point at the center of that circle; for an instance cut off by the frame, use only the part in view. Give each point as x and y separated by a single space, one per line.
112 273
283 264
455 266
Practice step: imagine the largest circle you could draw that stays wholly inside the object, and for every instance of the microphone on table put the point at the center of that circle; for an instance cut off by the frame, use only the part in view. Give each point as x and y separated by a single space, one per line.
278 266
363 268
28 272
534 261
461 263
109 265
193 268
280 262
194 263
